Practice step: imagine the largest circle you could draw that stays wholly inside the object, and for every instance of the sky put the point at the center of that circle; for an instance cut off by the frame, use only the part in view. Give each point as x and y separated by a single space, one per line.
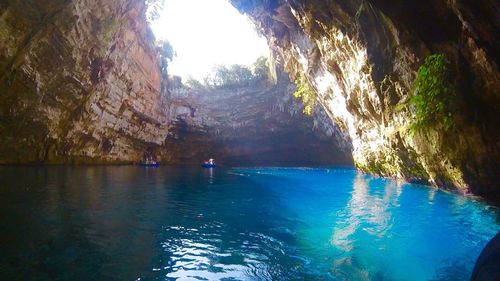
205 33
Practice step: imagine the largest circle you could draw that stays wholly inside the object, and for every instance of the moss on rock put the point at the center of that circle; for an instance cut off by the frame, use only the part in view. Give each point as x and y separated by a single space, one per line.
432 95
305 93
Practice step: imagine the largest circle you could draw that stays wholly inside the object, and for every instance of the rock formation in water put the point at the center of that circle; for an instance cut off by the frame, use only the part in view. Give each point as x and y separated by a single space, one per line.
81 82
362 59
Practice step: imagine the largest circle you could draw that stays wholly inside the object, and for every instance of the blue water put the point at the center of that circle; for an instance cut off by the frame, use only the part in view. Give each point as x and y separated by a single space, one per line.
168 223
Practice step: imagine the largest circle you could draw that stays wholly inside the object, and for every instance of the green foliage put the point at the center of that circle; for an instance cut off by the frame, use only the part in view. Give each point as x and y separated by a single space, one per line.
166 55
261 69
192 83
432 95
239 75
224 76
166 50
233 76
154 9
306 93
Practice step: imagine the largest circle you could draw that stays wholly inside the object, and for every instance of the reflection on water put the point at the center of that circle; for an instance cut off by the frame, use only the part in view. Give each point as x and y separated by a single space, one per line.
168 223
371 208
209 173
368 213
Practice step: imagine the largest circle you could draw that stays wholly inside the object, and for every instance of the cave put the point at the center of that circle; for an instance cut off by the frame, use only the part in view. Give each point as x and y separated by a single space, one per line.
398 95
124 105
80 86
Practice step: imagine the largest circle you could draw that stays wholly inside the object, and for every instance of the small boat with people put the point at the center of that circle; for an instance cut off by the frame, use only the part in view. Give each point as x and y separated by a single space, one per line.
149 162
210 163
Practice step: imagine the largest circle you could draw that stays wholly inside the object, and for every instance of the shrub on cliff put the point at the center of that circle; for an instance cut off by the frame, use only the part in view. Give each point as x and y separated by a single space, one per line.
166 55
192 83
233 76
261 69
223 76
306 93
238 75
432 94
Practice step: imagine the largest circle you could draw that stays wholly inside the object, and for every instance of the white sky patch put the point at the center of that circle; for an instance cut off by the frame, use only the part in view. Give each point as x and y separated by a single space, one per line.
205 33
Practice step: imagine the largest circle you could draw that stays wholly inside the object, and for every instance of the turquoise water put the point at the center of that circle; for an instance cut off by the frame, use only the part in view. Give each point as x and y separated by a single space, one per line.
173 223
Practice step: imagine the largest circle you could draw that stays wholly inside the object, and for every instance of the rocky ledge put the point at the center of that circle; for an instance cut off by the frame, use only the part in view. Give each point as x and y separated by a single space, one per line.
258 124
82 82
380 68
412 85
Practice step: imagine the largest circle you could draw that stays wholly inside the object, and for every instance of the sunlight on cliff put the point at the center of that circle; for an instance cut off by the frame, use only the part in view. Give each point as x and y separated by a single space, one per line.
207 33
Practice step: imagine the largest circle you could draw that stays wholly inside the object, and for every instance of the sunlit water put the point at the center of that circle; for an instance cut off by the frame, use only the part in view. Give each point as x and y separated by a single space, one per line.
133 223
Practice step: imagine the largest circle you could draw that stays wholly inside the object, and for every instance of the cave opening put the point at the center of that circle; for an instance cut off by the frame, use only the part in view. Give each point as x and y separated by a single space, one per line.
228 98
205 34
86 82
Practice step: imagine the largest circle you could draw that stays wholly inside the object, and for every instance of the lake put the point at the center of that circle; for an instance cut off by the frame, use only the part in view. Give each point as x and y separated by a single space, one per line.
189 223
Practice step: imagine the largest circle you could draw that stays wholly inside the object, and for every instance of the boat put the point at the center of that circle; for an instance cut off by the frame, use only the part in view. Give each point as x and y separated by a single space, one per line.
149 164
210 163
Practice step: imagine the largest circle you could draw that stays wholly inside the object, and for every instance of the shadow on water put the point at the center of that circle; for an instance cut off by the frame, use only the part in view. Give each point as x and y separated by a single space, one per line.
125 223
43 230
168 223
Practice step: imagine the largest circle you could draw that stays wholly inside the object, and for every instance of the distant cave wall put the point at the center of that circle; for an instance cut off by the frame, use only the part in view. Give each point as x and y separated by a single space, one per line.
259 124
362 57
79 82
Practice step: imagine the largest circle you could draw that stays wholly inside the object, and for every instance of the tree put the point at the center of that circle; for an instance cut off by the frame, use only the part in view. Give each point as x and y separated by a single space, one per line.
235 75
193 83
221 76
154 8
166 50
239 75
166 55
261 69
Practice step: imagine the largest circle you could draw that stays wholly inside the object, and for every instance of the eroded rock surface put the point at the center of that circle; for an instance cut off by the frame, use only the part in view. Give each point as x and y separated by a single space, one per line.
362 58
261 124
80 82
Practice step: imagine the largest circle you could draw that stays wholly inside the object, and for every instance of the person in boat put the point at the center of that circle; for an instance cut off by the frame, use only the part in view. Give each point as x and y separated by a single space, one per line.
149 160
210 162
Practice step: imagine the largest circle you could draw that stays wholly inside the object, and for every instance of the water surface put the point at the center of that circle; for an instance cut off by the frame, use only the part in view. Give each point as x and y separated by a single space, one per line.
174 223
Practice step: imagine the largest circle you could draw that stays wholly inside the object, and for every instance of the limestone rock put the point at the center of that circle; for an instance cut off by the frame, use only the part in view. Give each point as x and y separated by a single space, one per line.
362 57
80 82
260 124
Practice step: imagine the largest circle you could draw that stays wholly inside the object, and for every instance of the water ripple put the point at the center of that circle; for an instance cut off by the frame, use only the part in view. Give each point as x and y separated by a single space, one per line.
177 223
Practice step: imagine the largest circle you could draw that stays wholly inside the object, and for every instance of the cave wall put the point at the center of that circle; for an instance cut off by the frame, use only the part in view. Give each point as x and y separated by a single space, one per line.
80 82
258 124
362 57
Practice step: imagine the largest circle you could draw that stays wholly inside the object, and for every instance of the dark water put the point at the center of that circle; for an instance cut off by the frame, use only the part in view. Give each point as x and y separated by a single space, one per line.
132 223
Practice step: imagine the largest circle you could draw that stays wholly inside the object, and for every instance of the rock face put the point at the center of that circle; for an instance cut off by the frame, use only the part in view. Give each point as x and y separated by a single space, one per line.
80 82
261 124
362 57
